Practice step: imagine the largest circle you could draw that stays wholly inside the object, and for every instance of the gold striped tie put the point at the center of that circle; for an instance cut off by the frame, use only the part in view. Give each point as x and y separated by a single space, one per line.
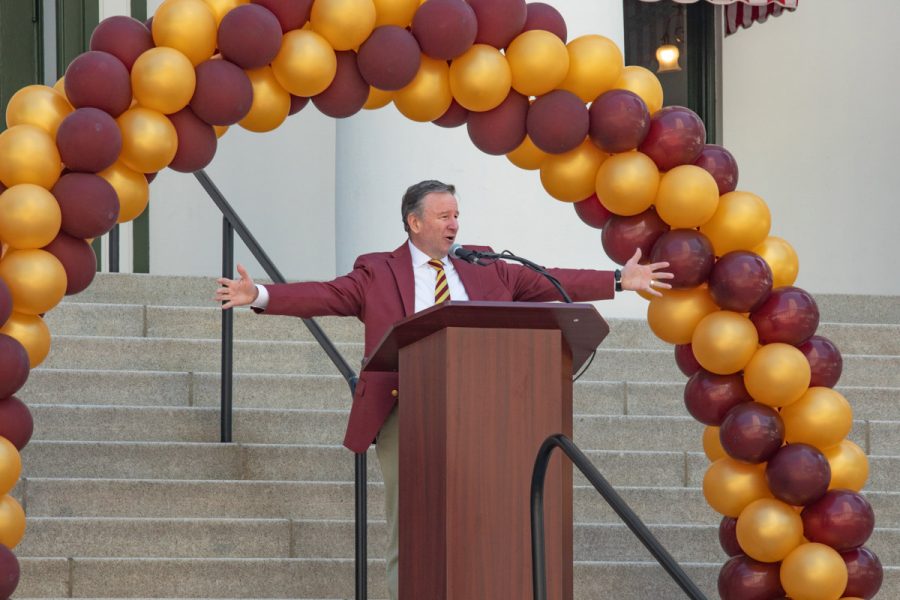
441 289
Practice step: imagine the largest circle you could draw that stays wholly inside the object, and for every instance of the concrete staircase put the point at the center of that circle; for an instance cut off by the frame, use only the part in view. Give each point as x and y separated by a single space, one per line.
129 495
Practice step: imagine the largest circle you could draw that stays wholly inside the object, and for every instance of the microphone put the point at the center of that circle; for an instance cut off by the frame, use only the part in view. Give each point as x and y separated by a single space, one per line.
472 256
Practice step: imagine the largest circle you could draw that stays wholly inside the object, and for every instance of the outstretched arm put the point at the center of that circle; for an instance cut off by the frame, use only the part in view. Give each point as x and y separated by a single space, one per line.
647 278
236 292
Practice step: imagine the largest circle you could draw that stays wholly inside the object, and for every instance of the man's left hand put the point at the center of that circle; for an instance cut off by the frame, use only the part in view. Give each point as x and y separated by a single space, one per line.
647 278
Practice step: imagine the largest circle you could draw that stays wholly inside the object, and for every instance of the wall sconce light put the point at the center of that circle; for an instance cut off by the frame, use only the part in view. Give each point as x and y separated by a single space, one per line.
668 53
667 56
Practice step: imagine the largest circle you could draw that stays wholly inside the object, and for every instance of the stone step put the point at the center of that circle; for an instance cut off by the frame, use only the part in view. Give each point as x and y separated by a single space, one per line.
857 308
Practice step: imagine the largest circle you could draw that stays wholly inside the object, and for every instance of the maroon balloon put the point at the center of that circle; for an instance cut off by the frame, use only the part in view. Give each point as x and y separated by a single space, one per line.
592 212
499 21
789 315
719 163
545 17
249 36
743 578
89 140
841 519
9 572
685 359
557 121
390 58
864 573
455 116
676 137
291 14
5 303
298 103
16 423
619 121
499 130
347 92
77 258
89 204
3 188
740 281
798 474
445 29
709 397
197 141
98 80
223 94
14 365
689 254
825 361
728 536
752 432
149 177
623 235
123 37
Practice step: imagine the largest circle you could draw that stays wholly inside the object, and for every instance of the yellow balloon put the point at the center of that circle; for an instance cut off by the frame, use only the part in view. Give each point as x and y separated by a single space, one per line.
271 102
28 155
10 466
674 315
781 258
571 176
627 183
724 342
163 79
220 130
643 83
149 140
344 23
395 12
777 375
32 332
527 156
60 86
768 530
595 65
712 445
189 26
730 485
538 60
688 197
741 222
428 95
821 417
306 64
849 466
36 280
814 572
30 216
480 78
378 98
131 188
38 105
12 522
220 8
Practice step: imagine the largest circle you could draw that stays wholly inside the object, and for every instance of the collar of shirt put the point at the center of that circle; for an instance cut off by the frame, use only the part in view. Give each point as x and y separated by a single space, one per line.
419 258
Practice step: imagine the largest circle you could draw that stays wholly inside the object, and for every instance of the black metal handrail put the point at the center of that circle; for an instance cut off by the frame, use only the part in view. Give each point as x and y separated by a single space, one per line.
538 559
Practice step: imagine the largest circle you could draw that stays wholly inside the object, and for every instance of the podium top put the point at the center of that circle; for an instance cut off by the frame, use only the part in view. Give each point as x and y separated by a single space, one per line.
581 325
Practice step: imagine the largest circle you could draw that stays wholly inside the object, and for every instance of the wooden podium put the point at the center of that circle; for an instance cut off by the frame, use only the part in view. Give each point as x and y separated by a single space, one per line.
482 384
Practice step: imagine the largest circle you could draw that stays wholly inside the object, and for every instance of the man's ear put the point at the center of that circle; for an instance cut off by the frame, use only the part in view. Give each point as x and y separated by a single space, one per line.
413 221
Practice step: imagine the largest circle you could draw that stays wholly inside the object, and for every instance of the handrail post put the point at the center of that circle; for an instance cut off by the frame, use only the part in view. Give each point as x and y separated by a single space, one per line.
362 521
114 249
227 336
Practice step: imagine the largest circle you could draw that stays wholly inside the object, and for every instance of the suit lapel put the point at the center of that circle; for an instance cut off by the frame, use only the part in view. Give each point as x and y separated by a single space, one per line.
400 263
470 276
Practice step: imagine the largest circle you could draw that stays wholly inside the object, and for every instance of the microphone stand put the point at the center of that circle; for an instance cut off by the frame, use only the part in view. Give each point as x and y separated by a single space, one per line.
506 254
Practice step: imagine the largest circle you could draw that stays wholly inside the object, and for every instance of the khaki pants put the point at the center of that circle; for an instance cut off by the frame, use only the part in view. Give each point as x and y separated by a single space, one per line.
387 450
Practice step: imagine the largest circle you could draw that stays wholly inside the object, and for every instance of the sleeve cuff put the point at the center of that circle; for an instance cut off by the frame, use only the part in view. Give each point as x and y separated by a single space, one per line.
262 299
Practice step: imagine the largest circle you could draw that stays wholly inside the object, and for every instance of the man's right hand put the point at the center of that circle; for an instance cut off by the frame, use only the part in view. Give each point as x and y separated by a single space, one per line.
236 292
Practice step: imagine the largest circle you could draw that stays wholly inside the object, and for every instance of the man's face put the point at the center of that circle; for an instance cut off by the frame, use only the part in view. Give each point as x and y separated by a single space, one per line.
434 230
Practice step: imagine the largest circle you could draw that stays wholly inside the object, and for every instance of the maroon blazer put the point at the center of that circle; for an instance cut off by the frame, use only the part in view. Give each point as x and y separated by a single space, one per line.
380 290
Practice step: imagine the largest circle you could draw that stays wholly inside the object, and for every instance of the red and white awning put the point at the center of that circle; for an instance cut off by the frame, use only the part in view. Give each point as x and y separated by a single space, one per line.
744 13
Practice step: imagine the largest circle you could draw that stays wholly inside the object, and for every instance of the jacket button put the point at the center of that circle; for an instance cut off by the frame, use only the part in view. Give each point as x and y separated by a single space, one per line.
395 393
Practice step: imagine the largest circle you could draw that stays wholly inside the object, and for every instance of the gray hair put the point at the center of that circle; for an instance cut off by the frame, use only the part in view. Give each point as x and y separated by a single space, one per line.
412 199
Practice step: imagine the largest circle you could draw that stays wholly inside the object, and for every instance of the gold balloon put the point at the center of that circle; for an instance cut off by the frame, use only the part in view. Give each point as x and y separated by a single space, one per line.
821 417
306 64
781 258
644 83
712 445
538 60
730 485
849 466
814 572
220 8
595 65
38 105
627 183
724 342
571 176
36 280
271 102
30 216
777 375
10 466
32 332
480 78
741 222
220 130
163 79
344 23
674 315
768 530
527 156
12 522
378 98
131 188
60 86
395 12
428 95
28 155
149 140
189 26
688 197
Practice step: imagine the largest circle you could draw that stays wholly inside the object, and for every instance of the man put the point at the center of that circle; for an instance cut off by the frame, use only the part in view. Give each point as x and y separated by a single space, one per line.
385 287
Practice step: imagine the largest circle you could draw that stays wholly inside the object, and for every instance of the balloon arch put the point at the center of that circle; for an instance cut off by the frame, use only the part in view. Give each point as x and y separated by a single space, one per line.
77 158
